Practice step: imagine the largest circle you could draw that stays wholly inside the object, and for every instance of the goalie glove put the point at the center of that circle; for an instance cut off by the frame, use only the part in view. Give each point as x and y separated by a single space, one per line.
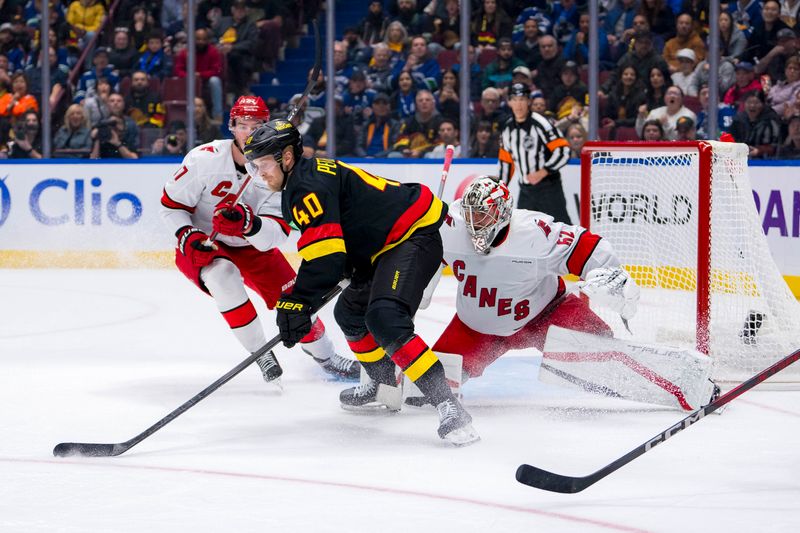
612 288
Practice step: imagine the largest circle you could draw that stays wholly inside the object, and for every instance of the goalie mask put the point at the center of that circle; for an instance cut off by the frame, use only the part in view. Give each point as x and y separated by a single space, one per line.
486 207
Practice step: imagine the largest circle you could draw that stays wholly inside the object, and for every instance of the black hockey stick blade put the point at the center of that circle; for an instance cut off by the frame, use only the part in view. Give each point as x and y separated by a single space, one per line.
542 479
87 449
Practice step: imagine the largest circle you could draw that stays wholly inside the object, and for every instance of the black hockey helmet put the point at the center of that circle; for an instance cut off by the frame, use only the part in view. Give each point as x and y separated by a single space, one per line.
271 139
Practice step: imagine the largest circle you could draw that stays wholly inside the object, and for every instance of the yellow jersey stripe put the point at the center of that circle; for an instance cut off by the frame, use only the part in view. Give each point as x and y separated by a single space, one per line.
322 248
416 369
370 357
431 217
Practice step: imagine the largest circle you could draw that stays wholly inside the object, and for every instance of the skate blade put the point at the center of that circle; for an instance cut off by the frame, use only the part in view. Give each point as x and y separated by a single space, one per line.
370 408
463 436
276 383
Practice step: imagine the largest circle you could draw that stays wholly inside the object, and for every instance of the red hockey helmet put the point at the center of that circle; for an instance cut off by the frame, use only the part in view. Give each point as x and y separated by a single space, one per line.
250 107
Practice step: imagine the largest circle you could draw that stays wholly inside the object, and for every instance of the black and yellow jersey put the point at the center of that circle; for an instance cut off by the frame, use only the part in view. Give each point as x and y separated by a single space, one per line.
346 214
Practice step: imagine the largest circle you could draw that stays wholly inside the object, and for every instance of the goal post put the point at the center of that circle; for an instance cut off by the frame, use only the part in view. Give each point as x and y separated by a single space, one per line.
682 218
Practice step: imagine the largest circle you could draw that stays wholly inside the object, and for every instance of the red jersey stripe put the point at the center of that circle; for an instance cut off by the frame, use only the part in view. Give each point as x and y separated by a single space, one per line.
417 210
166 201
317 233
240 316
587 242
409 352
365 344
282 223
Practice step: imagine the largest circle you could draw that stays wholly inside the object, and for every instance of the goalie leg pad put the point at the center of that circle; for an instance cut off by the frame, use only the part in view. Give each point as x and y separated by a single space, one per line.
661 375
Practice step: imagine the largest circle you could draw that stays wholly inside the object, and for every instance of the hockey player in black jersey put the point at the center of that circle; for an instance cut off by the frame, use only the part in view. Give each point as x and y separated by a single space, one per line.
385 235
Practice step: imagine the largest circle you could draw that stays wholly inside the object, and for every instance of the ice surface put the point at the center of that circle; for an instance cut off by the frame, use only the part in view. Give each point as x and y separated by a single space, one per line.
98 356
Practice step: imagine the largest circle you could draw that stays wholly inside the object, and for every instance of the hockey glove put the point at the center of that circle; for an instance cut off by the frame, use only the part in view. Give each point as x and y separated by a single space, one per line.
191 243
612 288
235 220
294 320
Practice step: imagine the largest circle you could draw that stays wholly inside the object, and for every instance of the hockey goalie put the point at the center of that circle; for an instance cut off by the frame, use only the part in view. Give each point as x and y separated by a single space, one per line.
508 264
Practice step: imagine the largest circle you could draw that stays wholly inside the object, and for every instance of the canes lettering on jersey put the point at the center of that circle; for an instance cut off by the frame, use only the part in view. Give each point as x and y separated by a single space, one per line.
530 146
471 287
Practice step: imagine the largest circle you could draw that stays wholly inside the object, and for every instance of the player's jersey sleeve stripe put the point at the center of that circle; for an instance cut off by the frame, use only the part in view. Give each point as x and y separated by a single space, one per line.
166 201
587 242
282 223
425 211
322 248
318 233
241 315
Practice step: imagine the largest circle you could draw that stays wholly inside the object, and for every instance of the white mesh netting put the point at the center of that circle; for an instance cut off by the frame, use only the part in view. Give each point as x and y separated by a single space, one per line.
645 202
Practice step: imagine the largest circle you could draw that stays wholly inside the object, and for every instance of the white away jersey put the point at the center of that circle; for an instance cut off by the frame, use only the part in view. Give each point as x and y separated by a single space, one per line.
208 177
500 292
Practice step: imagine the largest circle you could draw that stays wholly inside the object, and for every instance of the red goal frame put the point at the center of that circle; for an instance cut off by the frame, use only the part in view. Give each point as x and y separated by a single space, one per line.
705 159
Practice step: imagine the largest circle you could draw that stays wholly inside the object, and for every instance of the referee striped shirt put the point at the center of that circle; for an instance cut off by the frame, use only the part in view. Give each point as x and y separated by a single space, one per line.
529 146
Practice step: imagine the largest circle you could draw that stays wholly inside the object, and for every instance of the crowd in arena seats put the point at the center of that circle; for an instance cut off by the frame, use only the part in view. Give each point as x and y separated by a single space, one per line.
118 69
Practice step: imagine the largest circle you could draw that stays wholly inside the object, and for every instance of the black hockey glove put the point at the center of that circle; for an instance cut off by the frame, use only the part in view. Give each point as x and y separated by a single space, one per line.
294 320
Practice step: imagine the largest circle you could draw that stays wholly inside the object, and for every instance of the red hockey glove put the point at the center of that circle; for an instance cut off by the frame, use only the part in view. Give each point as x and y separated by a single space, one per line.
236 220
294 320
191 244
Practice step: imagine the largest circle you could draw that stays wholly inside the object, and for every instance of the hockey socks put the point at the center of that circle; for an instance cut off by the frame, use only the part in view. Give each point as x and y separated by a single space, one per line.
423 368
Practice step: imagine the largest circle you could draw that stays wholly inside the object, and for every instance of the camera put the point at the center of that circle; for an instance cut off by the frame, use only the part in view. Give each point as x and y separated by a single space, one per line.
19 129
104 129
172 140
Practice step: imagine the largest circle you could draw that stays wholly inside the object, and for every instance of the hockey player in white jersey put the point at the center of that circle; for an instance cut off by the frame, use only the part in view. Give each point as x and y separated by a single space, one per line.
197 200
508 264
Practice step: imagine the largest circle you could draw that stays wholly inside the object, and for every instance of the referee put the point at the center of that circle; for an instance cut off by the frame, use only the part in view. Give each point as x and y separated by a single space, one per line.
536 149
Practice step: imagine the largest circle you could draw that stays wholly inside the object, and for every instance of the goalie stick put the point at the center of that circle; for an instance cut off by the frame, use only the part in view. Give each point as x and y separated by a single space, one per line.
542 479
87 449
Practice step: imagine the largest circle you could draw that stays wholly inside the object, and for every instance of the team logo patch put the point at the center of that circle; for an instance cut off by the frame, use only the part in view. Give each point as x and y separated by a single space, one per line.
527 142
282 125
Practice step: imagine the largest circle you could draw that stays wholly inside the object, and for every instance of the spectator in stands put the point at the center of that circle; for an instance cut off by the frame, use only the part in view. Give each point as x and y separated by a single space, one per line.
421 65
652 130
239 47
27 142
217 24
317 136
786 90
685 130
107 141
668 114
746 82
774 63
619 19
447 27
15 103
154 60
746 14
10 47
685 76
379 71
725 114
685 37
59 78
357 98
396 37
698 9
96 102
170 12
205 130
643 58
448 135
416 23
101 69
5 75
522 74
140 27
123 56
73 139
343 70
380 132
726 75
447 98
499 73
564 18
569 93
143 105
548 71
656 88
491 111
372 28
208 65
527 49
624 100
485 144
577 47
129 131
475 72
659 16
758 126
732 41
640 25
764 36
405 96
418 133
789 12
490 23
174 142
539 105
358 53
85 18
274 26
790 148
576 136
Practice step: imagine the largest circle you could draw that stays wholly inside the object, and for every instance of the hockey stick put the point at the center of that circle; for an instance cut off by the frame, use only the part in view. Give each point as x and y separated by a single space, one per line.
448 158
542 479
107 450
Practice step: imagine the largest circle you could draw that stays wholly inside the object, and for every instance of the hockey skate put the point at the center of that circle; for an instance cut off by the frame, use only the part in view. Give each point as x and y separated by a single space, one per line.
455 423
339 367
371 396
270 368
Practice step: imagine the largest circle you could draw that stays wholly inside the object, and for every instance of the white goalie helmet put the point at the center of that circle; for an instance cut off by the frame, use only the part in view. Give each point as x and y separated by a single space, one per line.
486 207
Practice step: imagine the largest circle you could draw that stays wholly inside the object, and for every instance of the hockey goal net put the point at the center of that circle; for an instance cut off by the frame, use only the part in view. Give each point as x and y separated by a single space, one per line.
682 218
